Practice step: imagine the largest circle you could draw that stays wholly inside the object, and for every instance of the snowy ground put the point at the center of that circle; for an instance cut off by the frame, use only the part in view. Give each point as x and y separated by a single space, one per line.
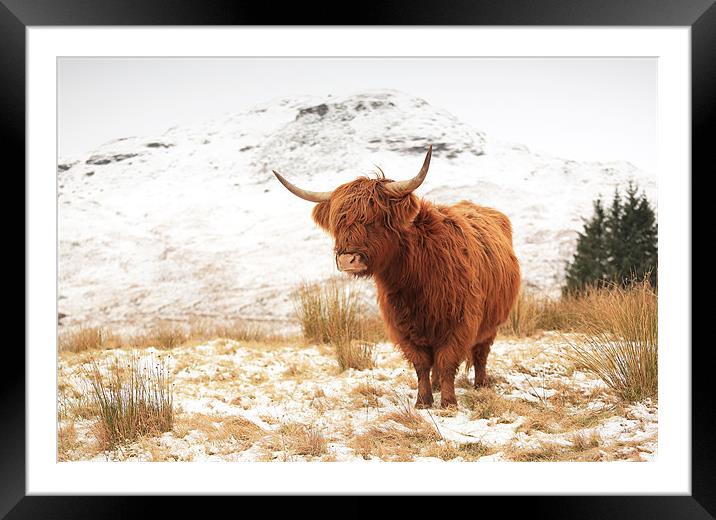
257 402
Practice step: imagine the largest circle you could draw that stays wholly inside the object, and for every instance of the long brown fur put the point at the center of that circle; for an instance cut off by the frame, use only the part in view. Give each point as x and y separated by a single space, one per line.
446 276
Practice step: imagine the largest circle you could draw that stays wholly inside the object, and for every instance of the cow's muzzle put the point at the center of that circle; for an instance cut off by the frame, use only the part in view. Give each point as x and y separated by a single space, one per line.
351 262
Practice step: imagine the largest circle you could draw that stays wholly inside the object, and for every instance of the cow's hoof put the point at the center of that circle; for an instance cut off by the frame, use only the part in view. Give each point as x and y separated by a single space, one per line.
482 382
448 403
424 402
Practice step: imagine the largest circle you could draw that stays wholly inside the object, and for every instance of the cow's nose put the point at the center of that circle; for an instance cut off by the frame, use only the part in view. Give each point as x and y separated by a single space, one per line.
350 262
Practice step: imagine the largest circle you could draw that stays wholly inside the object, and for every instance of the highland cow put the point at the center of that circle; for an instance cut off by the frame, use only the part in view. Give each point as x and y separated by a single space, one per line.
446 275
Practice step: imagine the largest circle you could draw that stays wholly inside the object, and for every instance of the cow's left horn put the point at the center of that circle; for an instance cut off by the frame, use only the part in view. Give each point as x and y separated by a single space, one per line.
311 196
408 186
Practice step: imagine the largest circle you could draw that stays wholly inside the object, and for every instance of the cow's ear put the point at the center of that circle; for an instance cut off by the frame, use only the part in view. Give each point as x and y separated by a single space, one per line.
404 209
320 214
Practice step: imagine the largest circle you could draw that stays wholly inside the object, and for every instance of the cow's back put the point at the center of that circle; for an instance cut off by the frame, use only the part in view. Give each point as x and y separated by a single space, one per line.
485 220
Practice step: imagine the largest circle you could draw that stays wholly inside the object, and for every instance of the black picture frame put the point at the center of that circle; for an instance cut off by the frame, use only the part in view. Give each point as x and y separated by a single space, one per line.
699 15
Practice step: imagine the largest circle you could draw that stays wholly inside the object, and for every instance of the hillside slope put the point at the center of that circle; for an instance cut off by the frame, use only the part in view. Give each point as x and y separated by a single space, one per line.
191 223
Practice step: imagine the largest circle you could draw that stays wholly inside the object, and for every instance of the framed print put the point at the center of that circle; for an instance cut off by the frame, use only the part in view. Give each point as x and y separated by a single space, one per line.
265 257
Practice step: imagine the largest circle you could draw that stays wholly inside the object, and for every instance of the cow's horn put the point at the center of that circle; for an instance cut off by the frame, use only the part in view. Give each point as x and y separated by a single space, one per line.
312 196
408 186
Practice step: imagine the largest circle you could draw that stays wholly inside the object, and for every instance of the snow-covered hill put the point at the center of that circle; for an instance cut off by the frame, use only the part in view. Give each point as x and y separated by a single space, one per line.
191 223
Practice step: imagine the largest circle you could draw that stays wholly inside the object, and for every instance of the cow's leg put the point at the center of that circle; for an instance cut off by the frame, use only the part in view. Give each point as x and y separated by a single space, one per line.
423 361
435 379
480 351
446 363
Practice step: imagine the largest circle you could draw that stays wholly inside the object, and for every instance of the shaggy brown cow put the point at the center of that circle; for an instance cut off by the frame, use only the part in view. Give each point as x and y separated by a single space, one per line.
446 276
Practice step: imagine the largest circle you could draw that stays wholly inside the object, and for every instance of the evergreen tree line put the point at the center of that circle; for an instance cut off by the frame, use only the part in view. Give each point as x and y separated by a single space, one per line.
617 245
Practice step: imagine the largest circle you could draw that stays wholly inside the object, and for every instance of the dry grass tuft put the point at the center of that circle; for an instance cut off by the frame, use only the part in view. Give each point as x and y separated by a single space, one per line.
386 442
325 308
238 432
485 403
164 335
237 330
87 338
133 400
398 436
66 441
467 451
411 419
560 419
297 369
532 314
354 354
585 441
294 438
333 312
367 394
619 343
582 448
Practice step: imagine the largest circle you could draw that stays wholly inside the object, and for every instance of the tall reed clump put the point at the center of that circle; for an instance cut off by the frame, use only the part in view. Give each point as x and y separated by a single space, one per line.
135 398
619 339
333 312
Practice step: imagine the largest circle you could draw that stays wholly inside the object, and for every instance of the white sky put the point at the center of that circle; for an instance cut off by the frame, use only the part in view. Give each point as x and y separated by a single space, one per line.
585 109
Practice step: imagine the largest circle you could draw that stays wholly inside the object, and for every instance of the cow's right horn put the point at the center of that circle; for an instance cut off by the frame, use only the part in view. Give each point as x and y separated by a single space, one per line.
412 184
311 196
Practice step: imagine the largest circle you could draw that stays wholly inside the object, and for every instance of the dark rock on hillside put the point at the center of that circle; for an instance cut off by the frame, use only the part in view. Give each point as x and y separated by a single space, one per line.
321 110
63 167
107 159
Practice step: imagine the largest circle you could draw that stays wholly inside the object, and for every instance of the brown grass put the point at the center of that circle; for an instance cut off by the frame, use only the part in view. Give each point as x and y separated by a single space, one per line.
240 430
486 403
399 436
467 451
334 312
617 333
132 400
557 419
367 394
619 343
236 330
388 443
241 433
294 438
356 354
582 448
532 314
87 338
297 369
66 441
168 335
579 312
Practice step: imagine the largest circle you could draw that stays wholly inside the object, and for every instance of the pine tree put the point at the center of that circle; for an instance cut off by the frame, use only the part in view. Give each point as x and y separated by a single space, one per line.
646 242
591 263
618 245
614 241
